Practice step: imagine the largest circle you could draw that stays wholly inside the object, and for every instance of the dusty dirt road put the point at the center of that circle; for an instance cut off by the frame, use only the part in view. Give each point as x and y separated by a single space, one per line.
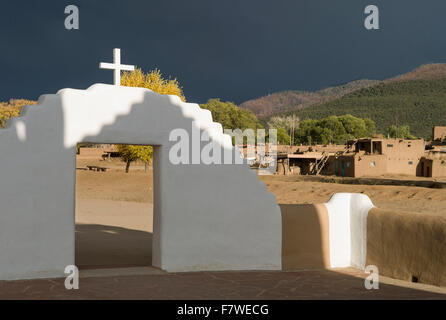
413 199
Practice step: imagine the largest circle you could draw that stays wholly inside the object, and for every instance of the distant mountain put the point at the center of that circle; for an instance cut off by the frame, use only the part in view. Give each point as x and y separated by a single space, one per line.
425 72
293 100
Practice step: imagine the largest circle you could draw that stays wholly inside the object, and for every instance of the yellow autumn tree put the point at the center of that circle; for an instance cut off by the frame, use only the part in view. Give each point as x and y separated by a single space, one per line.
12 109
154 81
130 153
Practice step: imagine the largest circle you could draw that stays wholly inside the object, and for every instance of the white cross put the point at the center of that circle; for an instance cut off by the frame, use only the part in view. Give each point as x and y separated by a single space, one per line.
116 66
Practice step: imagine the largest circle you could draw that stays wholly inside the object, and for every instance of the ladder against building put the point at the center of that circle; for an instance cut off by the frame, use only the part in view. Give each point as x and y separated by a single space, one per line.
320 164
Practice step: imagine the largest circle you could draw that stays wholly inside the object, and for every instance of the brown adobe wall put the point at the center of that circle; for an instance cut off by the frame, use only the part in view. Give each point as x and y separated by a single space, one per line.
407 246
329 168
439 133
370 165
403 156
426 167
358 165
438 168
305 237
433 167
349 166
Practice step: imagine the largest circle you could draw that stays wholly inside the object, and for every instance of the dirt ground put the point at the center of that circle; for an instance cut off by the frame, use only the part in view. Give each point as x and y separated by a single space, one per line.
137 186
414 199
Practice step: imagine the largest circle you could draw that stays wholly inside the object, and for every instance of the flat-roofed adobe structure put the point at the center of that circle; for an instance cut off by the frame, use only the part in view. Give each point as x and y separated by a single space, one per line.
307 160
377 156
439 134
433 164
370 157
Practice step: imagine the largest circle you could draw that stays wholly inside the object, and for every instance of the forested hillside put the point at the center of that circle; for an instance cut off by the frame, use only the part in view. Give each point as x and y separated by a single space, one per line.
421 104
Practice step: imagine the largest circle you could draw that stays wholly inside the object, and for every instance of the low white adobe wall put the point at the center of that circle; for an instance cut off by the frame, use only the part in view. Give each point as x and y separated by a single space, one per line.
347 214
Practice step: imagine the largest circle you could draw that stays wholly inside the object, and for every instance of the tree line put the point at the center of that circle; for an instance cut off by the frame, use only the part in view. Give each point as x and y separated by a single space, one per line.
330 130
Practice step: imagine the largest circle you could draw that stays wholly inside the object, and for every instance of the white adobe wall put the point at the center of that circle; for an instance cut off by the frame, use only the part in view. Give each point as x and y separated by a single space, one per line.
347 215
206 217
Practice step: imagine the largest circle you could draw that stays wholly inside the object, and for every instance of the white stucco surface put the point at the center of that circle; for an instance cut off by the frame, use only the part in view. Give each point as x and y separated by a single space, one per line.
347 215
206 217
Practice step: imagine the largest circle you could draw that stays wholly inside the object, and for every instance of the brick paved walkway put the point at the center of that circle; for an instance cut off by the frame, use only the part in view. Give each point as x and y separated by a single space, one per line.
324 284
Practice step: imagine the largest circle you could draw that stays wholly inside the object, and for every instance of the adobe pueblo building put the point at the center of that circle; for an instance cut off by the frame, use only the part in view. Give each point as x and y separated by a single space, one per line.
370 157
433 164
375 157
439 135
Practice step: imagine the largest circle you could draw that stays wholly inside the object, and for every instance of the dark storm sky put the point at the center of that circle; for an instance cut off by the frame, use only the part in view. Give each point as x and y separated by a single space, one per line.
232 49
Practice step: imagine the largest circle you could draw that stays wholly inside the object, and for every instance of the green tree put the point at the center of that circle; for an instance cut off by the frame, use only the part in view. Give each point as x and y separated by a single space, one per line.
392 131
399 132
307 131
370 127
282 136
231 116
354 126
334 129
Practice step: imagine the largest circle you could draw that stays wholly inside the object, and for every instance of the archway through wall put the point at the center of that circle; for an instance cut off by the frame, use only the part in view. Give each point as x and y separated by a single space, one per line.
114 209
206 216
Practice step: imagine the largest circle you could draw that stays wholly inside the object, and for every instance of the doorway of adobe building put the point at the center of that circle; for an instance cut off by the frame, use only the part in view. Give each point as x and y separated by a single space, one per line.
114 210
